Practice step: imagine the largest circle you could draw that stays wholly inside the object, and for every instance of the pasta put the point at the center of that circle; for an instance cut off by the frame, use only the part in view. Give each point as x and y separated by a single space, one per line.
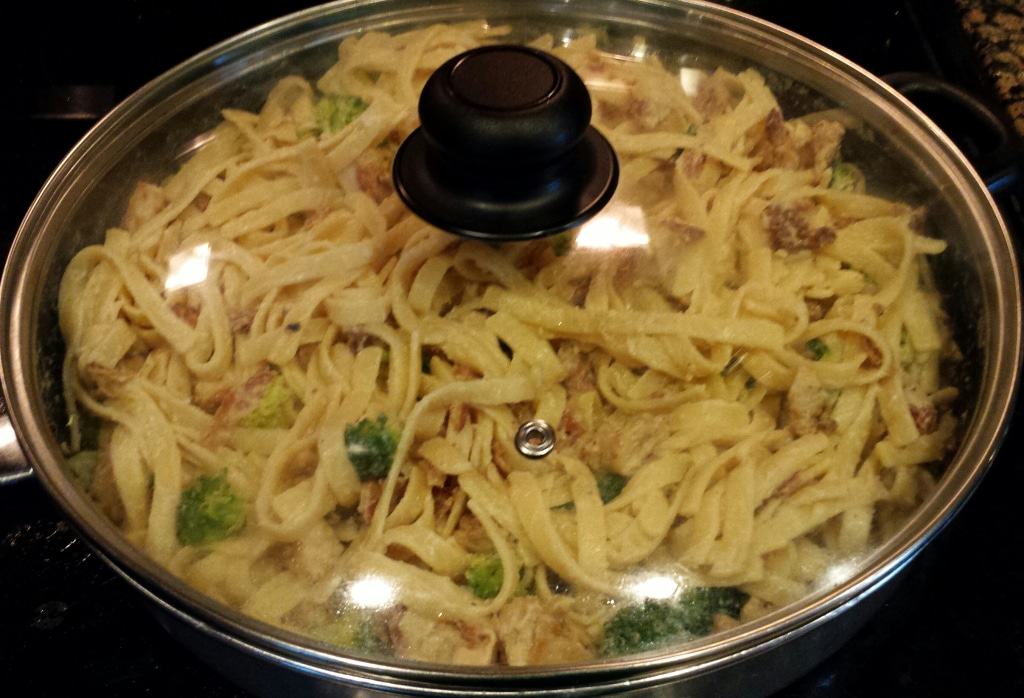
741 356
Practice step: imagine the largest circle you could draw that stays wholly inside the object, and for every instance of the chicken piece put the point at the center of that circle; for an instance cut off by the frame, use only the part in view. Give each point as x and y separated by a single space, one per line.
228 403
821 150
241 320
201 201
646 113
444 499
581 375
789 230
418 636
470 534
145 202
683 233
692 163
187 313
795 145
775 146
873 358
808 405
713 96
373 172
531 634
926 416
817 308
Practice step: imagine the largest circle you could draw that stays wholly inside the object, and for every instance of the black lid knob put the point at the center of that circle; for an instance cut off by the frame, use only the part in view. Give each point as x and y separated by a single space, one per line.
505 150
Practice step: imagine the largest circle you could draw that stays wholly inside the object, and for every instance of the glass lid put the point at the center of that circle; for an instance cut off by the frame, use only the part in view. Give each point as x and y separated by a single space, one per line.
708 393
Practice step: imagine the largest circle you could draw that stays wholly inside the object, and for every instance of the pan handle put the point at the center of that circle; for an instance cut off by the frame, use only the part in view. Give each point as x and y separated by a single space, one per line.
13 464
992 146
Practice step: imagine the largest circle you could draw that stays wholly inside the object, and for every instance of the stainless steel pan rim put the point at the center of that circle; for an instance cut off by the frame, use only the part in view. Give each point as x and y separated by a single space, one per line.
20 293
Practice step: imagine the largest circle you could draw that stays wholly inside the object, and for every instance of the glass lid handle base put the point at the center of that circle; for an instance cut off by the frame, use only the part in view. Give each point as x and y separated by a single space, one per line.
505 150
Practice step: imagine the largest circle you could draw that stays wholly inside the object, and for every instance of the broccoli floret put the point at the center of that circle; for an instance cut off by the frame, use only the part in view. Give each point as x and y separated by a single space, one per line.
275 408
846 177
355 629
561 244
209 511
659 623
335 112
817 349
609 485
371 447
484 575
699 605
648 626
81 467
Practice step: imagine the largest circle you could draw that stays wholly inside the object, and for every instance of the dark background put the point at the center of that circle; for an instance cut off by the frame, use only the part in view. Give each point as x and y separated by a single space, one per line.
68 625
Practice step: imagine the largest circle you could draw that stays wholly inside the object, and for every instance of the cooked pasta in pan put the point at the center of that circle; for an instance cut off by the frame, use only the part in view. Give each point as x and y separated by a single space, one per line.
303 400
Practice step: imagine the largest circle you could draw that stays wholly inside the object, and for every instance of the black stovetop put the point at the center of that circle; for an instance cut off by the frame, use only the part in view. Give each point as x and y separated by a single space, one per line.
70 626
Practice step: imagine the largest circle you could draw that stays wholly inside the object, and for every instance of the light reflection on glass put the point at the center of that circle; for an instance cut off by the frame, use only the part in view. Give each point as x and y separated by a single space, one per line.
7 436
599 85
838 572
371 592
188 268
639 51
195 145
656 586
616 227
690 79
